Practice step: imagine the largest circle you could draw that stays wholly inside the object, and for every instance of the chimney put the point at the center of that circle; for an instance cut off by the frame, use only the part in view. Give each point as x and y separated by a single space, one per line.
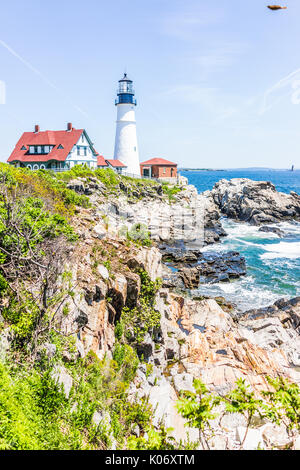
36 128
70 127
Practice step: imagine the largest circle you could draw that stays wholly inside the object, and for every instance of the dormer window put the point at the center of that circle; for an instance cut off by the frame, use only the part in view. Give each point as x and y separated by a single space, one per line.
23 148
60 147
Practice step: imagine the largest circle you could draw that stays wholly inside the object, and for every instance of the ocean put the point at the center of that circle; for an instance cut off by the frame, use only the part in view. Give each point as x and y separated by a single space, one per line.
273 263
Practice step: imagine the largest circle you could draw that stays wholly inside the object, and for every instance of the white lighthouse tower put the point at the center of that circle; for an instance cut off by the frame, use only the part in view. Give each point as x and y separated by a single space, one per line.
126 148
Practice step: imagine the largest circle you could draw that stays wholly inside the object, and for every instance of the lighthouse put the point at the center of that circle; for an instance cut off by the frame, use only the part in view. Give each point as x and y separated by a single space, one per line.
126 148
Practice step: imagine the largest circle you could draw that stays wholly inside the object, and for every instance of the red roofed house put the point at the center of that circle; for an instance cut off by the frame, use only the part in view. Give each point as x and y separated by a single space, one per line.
55 150
159 168
115 165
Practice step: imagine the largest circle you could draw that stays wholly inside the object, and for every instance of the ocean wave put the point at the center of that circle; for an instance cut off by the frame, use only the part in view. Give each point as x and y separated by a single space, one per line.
245 293
282 250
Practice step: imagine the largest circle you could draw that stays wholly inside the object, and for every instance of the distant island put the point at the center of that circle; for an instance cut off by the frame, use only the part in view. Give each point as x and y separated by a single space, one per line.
238 169
199 169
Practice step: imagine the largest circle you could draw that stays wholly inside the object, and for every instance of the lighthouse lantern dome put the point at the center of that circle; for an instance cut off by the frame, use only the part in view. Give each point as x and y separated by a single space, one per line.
125 91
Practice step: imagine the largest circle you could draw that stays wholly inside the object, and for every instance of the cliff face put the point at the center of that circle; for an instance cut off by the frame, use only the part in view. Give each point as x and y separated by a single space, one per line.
109 273
197 339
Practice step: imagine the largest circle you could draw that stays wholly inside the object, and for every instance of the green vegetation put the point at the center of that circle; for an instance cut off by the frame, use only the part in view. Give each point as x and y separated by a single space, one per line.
138 234
171 191
281 405
142 319
35 414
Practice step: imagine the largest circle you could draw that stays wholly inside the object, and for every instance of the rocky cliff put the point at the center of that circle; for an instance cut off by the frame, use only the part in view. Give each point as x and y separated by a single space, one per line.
198 338
111 275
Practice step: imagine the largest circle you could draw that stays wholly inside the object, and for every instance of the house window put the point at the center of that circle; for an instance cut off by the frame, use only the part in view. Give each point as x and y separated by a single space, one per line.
78 150
84 151
35 167
46 149
42 167
29 166
39 149
165 171
31 149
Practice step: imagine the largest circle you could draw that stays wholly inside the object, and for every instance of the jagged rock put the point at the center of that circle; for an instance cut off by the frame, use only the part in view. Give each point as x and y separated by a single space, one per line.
190 277
101 418
100 231
103 271
256 202
80 348
297 444
219 443
61 376
148 259
183 382
163 399
214 268
135 430
146 348
277 436
231 421
82 319
172 348
48 349
275 230
253 439
133 289
6 339
178 256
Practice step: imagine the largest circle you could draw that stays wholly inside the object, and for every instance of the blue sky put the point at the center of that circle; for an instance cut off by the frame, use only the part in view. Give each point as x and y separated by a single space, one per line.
217 82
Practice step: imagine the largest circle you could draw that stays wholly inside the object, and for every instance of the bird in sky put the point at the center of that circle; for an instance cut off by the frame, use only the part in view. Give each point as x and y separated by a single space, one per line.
276 7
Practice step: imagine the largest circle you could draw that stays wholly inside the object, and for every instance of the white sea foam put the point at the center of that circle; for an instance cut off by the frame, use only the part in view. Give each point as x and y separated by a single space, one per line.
262 286
244 293
282 250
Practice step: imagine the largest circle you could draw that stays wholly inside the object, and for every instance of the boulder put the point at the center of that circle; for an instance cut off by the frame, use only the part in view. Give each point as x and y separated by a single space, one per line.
6 339
256 202
103 271
253 440
183 382
213 268
277 437
276 230
61 376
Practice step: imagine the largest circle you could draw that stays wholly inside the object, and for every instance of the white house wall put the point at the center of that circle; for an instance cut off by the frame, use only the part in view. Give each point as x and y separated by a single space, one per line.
88 159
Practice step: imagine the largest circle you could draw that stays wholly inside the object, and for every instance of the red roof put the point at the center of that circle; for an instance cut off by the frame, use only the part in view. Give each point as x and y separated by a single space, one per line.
101 161
159 161
116 163
67 139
